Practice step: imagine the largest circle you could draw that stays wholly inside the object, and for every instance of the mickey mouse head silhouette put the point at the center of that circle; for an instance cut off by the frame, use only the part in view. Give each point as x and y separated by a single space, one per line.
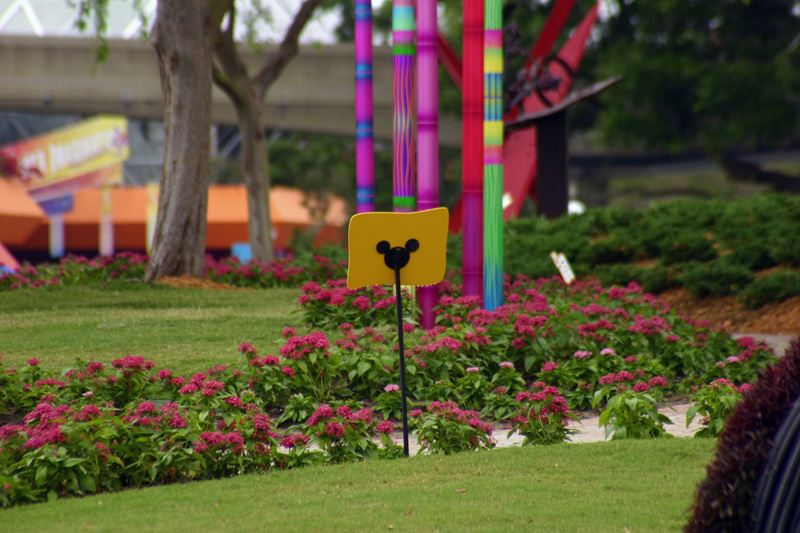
397 257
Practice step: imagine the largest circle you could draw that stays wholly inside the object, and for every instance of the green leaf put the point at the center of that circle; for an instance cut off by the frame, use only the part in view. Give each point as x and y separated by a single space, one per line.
72 461
41 475
363 367
88 483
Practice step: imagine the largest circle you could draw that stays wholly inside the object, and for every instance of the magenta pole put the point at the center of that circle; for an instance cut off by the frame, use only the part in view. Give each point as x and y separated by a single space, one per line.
472 150
365 155
427 135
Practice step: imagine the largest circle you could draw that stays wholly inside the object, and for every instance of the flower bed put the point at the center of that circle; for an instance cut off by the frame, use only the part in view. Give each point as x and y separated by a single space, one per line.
549 350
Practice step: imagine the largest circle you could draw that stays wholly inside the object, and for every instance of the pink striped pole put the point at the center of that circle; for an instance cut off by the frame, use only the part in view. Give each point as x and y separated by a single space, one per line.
472 150
427 135
365 155
403 199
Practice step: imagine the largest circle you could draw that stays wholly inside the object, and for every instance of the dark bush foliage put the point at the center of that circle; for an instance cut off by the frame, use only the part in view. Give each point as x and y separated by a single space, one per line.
717 278
725 498
774 287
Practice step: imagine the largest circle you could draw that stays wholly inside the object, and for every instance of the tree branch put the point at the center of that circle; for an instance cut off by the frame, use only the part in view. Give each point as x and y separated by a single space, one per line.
287 49
228 69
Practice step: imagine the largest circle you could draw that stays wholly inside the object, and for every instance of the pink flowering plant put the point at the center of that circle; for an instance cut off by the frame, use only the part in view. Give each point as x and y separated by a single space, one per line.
312 367
280 273
714 402
366 360
297 409
345 435
330 303
443 428
76 270
631 412
471 388
388 403
541 416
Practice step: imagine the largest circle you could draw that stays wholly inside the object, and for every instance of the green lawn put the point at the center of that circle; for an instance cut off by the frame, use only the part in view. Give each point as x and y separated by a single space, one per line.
182 329
607 486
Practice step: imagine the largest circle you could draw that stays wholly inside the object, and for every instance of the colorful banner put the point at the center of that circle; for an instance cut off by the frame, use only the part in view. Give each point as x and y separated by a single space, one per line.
62 158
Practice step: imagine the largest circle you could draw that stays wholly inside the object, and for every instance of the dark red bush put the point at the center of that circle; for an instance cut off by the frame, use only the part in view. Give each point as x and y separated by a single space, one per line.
725 497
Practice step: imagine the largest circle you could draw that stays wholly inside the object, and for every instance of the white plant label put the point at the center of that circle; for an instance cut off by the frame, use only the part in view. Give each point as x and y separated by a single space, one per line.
563 267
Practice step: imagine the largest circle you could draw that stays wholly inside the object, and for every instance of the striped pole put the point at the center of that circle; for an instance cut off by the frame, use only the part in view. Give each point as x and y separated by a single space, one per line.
403 104
472 150
365 155
427 135
493 155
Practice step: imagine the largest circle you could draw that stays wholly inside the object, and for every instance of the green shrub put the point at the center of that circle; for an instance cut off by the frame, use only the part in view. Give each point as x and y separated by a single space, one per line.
774 287
753 256
717 277
686 246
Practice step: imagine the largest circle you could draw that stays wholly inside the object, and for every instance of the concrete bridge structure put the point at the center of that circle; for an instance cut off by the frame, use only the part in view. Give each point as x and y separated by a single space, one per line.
315 93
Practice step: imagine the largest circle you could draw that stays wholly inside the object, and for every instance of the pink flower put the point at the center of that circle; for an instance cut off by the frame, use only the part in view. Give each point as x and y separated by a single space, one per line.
33 361
641 387
624 376
334 429
507 364
234 401
733 359
247 348
631 359
608 351
745 387
177 421
473 369
416 413
385 427
344 411
391 387
289 371
582 354
658 381
608 379
549 366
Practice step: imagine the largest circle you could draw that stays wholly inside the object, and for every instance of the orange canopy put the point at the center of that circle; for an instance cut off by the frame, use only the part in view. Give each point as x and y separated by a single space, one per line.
226 224
19 214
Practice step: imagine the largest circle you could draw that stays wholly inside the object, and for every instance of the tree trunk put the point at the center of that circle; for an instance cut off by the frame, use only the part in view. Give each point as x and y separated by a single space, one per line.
183 37
255 164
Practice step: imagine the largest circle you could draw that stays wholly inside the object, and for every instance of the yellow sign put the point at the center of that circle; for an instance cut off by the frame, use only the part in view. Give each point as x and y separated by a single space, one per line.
70 152
419 238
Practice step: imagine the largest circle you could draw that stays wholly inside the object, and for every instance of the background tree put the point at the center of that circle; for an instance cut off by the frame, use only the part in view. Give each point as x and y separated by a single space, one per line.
717 76
247 95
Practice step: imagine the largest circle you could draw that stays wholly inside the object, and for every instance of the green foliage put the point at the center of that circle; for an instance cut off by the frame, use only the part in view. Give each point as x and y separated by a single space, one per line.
774 287
718 278
445 429
541 417
631 415
694 74
713 402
